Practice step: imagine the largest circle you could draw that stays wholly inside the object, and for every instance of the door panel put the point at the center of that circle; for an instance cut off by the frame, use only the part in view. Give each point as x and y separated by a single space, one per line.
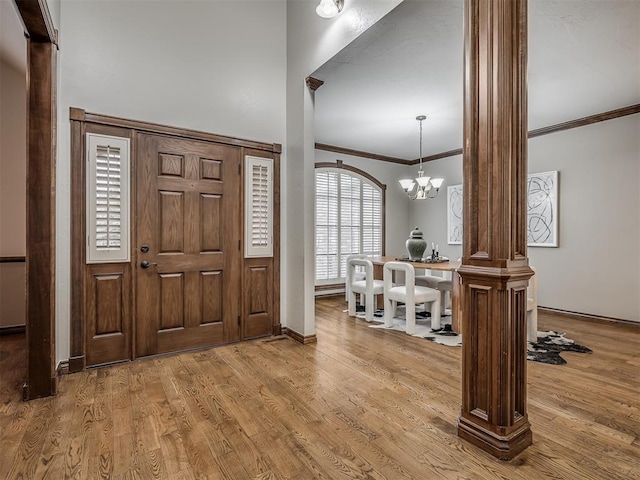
258 297
108 313
189 217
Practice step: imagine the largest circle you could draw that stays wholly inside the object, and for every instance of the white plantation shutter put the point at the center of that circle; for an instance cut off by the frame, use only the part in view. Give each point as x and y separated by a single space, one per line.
350 215
259 207
371 220
327 223
107 199
348 221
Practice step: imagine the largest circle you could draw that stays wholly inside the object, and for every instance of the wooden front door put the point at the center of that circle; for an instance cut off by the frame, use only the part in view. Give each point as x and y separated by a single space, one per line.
188 258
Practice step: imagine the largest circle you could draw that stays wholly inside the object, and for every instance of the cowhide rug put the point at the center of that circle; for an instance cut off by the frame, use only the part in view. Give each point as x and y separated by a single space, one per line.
546 350
549 347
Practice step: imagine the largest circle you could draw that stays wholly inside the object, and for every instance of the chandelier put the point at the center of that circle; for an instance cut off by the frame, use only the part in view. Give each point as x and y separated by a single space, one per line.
329 8
421 187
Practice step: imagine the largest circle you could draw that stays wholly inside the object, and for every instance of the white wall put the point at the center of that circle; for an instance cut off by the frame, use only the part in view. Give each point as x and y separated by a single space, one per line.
13 284
596 268
311 41
396 202
13 160
431 215
215 66
54 10
13 197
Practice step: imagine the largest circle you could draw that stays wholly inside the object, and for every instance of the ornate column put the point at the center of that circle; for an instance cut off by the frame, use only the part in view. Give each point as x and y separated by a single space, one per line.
495 268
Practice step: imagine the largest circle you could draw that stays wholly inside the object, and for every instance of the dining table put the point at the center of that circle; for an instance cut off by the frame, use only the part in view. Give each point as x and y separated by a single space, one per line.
442 266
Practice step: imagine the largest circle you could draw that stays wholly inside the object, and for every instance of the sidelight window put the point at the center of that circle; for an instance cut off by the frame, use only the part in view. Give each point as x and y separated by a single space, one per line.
259 207
107 177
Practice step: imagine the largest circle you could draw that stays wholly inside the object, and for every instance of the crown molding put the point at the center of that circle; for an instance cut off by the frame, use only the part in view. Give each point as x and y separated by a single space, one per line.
314 83
581 122
539 132
360 153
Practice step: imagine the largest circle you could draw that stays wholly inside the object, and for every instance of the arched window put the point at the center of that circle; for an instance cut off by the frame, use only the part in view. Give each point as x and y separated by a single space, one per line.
349 218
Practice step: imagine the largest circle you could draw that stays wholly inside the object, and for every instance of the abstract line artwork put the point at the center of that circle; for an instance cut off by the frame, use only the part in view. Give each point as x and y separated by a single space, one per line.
542 209
454 214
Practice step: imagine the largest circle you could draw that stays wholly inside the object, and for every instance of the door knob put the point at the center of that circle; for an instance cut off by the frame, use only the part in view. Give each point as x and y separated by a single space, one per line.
145 264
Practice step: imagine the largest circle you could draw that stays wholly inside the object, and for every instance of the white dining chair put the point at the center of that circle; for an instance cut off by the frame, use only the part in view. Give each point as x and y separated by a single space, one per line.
359 274
532 308
443 284
410 294
369 287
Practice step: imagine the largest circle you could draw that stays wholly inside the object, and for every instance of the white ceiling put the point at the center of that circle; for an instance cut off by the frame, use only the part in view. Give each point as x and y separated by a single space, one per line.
584 59
13 46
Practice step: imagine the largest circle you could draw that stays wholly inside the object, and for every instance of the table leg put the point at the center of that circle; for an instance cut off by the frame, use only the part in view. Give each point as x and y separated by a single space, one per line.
456 304
377 274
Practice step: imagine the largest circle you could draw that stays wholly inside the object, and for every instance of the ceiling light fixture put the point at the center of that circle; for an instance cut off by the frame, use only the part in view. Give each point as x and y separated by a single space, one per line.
329 8
424 185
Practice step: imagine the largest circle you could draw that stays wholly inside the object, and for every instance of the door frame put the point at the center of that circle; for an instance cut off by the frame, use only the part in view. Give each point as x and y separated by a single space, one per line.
81 122
42 46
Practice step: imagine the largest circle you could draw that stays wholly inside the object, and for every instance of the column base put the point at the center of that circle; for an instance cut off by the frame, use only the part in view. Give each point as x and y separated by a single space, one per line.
501 447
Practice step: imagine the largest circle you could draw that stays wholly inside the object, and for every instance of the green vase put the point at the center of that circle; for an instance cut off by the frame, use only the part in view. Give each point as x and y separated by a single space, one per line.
416 245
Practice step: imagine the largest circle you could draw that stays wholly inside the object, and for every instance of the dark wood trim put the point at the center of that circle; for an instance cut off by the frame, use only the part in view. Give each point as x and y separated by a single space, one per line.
579 122
76 114
274 262
77 364
314 83
9 259
41 199
148 127
134 234
63 368
299 337
382 186
277 206
333 286
79 269
78 245
495 268
359 153
362 173
13 330
83 123
588 316
37 21
437 156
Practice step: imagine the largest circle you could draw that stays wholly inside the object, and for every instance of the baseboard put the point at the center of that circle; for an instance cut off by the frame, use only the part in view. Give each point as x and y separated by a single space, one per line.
330 293
298 337
63 368
12 330
76 364
587 316
332 286
329 290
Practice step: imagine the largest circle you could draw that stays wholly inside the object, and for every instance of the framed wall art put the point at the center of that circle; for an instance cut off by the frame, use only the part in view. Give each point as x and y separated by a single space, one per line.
542 211
454 214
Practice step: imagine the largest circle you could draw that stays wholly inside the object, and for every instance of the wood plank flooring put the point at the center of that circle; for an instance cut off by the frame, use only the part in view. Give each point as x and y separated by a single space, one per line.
362 403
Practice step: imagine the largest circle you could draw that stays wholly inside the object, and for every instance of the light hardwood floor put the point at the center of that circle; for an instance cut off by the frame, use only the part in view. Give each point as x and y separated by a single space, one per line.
361 403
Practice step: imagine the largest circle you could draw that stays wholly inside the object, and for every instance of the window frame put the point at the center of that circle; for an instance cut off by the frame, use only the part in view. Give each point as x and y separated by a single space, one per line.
364 177
94 254
264 249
